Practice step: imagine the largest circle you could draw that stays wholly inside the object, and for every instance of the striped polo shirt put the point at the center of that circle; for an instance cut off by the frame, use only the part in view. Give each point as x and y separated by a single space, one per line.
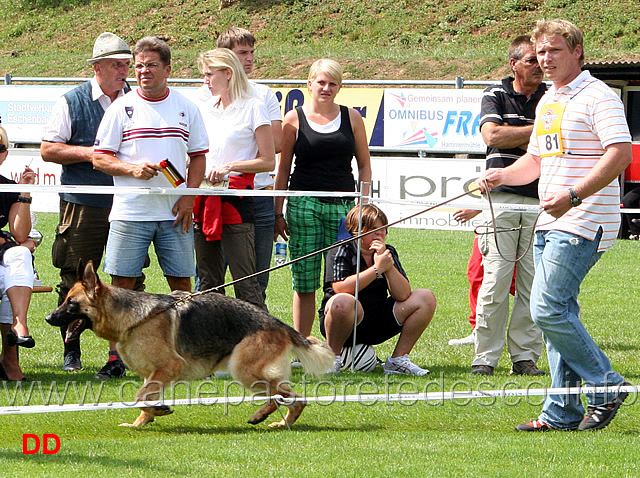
593 119
138 130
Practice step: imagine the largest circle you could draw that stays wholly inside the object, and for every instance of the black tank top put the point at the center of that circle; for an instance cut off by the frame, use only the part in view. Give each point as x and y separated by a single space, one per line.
323 160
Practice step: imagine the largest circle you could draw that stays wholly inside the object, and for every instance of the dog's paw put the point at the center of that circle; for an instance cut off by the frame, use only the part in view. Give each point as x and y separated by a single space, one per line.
130 425
280 424
162 410
142 419
255 419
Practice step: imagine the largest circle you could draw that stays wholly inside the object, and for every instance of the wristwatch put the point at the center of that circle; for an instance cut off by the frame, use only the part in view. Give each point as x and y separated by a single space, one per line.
24 199
575 200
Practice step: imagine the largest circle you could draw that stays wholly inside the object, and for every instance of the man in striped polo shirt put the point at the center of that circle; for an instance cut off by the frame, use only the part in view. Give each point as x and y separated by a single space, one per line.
138 132
579 146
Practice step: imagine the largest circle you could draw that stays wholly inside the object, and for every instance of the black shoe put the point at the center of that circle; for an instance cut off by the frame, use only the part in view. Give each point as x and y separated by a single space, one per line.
112 369
482 369
600 416
20 340
526 367
72 362
533 426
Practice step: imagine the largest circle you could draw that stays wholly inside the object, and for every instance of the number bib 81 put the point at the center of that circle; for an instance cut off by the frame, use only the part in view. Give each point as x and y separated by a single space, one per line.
548 132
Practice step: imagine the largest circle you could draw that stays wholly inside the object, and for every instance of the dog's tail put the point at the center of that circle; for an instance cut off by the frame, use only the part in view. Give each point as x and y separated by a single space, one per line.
316 356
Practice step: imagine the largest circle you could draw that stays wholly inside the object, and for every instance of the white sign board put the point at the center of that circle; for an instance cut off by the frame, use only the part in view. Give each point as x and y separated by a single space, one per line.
398 182
47 174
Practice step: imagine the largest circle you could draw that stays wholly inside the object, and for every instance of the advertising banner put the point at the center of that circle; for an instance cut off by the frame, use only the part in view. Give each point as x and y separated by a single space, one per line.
24 110
412 119
406 186
435 120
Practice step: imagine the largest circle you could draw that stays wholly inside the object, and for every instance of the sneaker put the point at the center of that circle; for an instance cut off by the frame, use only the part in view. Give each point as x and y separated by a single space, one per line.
600 416
526 367
71 362
337 365
295 363
534 426
482 369
468 340
403 365
112 369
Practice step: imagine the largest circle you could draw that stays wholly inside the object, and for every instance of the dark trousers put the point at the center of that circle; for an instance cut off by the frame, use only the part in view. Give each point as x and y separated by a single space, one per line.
238 247
81 236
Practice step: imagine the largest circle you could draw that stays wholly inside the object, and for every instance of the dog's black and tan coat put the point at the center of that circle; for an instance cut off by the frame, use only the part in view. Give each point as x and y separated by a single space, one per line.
163 339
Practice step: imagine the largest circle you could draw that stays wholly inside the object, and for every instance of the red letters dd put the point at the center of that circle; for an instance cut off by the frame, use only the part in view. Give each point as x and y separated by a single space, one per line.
45 442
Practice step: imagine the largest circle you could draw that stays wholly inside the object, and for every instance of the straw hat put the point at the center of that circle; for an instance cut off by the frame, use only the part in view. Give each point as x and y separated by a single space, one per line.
109 45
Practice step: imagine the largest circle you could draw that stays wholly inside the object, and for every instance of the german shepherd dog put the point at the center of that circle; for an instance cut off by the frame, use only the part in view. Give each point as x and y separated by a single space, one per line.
164 338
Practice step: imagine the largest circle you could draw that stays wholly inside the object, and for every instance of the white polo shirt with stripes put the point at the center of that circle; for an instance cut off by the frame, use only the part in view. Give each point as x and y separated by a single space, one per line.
140 129
593 119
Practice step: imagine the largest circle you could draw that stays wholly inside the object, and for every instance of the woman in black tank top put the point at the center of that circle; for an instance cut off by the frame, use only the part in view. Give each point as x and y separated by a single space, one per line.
320 139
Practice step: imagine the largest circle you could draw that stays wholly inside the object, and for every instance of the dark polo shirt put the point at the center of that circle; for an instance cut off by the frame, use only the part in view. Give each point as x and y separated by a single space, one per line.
503 105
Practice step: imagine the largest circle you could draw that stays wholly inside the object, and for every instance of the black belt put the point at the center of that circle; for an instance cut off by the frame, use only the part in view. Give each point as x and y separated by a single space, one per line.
329 200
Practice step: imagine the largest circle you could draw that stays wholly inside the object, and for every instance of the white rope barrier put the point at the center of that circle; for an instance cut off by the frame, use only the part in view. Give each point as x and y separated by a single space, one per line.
482 205
327 399
70 189
34 189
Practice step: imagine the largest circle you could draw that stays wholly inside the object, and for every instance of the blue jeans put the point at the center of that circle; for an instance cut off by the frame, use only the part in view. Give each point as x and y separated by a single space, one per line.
562 261
129 242
264 229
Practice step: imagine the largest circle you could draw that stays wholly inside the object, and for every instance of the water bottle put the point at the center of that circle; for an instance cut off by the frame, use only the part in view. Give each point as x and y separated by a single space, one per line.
281 251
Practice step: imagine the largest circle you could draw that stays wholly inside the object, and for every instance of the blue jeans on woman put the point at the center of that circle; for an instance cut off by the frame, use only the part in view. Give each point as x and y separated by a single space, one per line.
265 215
562 261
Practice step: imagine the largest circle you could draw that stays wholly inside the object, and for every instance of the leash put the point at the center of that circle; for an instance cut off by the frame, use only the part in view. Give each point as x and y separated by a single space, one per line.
320 251
493 229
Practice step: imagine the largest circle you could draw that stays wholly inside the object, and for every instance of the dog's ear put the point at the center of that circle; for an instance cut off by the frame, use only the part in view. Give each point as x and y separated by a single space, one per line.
80 270
90 279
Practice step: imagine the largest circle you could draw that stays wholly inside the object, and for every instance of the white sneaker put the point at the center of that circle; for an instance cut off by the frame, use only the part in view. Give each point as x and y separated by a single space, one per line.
295 363
403 365
337 365
468 340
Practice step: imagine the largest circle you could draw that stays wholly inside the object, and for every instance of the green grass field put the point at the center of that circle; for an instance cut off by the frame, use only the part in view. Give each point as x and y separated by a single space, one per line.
451 438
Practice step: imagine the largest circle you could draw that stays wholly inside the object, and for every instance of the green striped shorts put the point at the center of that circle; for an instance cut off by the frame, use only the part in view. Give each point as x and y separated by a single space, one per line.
313 225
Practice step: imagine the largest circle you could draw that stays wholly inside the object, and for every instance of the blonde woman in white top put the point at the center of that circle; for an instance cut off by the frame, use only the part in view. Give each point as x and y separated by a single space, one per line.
240 145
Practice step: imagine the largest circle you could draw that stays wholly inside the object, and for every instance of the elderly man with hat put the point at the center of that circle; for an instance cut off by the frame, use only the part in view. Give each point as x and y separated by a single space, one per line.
68 140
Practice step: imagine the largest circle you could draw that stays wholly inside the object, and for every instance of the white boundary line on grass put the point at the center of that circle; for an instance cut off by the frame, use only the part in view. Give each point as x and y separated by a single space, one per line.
328 400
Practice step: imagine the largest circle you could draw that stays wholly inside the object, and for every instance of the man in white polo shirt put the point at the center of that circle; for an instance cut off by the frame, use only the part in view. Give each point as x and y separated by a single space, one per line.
140 132
579 145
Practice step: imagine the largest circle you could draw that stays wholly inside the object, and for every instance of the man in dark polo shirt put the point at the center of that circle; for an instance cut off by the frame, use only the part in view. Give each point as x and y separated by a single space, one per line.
68 140
507 117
